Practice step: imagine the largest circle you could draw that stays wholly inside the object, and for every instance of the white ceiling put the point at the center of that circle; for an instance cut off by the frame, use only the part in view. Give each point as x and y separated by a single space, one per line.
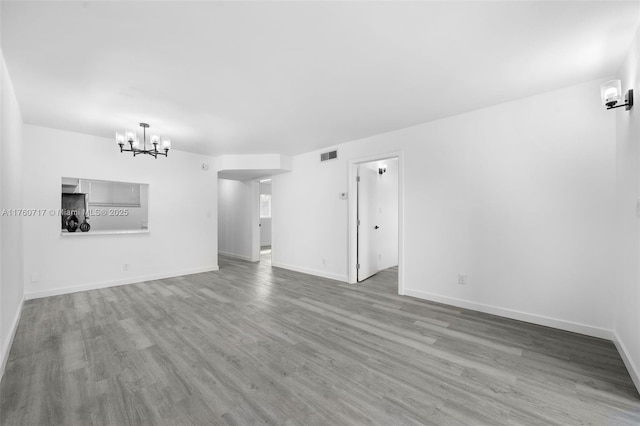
290 77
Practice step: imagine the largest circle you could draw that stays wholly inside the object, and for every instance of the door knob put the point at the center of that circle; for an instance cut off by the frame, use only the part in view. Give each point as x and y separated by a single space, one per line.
376 227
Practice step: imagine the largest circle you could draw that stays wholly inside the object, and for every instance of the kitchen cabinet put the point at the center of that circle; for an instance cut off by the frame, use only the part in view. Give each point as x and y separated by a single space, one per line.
116 194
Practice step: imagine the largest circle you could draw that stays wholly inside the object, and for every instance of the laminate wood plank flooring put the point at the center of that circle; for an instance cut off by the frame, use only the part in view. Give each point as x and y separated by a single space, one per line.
255 345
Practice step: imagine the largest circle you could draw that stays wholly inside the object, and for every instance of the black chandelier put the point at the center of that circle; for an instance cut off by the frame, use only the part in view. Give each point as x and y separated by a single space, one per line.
134 143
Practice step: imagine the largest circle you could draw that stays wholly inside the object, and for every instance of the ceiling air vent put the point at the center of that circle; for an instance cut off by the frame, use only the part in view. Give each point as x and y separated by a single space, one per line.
331 155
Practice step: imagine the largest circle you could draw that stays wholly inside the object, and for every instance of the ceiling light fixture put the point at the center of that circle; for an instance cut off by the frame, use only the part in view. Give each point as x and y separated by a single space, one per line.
134 143
611 94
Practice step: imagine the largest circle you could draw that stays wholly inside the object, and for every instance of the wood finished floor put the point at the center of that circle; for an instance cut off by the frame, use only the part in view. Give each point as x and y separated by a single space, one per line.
254 345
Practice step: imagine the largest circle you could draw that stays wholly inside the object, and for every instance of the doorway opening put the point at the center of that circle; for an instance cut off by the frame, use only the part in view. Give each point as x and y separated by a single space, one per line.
265 195
375 219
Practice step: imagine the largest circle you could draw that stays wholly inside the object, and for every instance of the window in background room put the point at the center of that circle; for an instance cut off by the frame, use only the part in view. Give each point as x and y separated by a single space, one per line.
265 206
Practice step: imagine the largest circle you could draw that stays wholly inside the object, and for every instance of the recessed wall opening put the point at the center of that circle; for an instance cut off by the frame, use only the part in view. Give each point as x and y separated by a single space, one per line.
245 214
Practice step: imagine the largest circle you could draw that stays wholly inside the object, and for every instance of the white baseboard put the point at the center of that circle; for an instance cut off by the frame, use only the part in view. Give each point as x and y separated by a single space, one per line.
634 372
574 327
114 283
315 272
6 345
237 256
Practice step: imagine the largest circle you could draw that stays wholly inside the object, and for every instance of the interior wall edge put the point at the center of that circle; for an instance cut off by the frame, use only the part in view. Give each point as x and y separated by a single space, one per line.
632 368
6 345
574 327
115 283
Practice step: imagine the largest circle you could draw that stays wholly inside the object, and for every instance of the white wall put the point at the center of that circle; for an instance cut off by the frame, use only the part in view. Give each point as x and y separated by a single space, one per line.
265 222
309 226
272 163
182 215
11 257
627 307
519 196
236 217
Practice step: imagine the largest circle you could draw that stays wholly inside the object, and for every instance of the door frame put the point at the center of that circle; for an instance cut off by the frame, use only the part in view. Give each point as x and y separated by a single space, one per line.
361 258
255 220
352 214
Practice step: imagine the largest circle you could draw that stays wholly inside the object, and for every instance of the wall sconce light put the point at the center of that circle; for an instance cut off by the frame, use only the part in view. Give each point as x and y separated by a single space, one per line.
611 93
382 170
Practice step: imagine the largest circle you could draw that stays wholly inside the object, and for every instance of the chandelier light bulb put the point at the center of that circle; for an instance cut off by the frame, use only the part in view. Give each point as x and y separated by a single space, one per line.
130 136
155 139
119 138
166 144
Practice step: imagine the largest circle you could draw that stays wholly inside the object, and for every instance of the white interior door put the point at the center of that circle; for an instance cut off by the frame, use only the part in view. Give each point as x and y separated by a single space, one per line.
367 216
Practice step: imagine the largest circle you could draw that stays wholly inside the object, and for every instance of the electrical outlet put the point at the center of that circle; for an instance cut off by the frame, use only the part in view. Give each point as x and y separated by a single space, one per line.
125 266
462 279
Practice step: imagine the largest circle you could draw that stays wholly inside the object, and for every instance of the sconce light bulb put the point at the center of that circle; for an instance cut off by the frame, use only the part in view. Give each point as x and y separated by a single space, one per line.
611 92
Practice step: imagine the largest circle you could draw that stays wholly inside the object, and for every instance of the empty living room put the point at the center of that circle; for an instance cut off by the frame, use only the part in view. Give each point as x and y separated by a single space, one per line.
319 212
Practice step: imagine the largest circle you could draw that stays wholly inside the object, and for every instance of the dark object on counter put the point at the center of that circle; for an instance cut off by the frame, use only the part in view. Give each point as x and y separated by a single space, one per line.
84 226
72 223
